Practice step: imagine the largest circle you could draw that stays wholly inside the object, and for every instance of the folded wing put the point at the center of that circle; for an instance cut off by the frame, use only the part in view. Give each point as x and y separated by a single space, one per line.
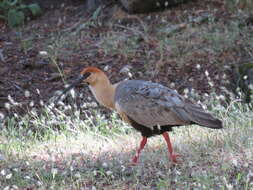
151 104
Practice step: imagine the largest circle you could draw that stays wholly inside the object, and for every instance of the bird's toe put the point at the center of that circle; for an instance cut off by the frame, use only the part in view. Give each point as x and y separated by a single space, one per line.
173 158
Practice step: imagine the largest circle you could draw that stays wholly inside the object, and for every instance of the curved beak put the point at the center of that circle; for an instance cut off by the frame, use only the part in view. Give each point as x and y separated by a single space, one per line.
75 83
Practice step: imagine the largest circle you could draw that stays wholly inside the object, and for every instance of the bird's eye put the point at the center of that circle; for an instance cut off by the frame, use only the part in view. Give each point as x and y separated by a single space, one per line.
86 75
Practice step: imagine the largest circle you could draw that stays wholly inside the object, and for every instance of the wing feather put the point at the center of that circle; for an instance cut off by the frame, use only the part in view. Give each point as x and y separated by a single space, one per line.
150 104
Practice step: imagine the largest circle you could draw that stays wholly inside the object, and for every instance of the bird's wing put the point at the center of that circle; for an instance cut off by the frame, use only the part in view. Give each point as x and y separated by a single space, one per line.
151 104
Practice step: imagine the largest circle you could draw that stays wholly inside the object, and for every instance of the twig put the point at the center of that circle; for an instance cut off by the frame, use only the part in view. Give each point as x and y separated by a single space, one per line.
234 101
18 87
176 28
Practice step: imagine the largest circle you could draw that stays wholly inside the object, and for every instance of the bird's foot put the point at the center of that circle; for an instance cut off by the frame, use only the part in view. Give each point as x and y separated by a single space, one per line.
173 157
134 161
133 164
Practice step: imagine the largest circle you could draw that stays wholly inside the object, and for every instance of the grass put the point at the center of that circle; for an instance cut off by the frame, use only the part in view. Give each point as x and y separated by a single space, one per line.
72 148
235 5
66 151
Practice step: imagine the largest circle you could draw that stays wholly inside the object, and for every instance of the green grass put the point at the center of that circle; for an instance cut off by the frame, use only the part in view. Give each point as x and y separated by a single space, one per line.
65 151
83 149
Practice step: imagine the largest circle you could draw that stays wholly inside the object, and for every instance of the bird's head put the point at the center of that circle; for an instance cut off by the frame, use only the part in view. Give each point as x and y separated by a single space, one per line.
90 76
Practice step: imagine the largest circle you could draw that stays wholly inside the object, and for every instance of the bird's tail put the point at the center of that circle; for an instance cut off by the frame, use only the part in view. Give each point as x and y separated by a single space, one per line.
201 117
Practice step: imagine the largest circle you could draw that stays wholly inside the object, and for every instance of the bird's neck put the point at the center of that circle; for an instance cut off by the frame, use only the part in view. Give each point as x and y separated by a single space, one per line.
104 93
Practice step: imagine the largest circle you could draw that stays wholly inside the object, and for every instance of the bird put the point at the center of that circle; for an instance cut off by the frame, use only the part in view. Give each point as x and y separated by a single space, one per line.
150 108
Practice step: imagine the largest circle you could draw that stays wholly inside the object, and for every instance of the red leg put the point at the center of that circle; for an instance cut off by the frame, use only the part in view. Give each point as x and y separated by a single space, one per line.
142 144
172 156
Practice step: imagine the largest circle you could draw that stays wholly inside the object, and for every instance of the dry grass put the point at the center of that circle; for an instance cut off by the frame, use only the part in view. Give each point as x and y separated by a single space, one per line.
77 149
99 158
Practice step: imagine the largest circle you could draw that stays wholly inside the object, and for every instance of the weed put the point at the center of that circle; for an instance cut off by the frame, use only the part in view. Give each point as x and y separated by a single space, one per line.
77 147
13 11
237 5
65 151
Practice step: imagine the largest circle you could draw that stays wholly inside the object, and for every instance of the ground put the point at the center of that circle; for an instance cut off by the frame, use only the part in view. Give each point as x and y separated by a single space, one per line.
111 40
79 145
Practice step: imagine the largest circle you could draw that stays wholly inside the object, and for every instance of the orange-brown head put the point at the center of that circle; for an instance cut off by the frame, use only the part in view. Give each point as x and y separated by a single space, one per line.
89 75
93 75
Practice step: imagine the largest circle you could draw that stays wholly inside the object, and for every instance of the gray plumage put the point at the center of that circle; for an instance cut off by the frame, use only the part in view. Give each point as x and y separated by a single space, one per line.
151 104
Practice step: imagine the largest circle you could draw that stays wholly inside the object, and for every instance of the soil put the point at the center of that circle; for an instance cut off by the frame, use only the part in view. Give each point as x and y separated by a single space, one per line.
23 70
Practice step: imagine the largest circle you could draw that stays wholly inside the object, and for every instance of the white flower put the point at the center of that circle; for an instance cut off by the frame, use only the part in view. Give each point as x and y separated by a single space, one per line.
43 53
186 90
105 165
39 183
198 66
31 104
206 73
8 176
109 172
27 177
106 68
78 175
222 97
38 91
72 93
14 187
229 186
210 83
7 188
12 101
234 161
123 168
166 3
3 172
172 85
27 94
7 106
1 116
41 102
93 104
246 165
54 171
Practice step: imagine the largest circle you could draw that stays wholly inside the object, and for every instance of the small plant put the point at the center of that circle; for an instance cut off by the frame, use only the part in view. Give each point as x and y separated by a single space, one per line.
12 11
26 45
234 5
